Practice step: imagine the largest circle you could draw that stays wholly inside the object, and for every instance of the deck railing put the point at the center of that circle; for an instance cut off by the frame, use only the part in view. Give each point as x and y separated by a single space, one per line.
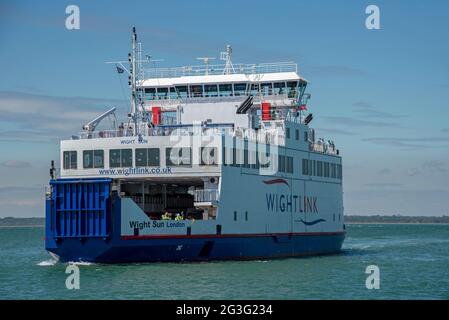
201 70
206 195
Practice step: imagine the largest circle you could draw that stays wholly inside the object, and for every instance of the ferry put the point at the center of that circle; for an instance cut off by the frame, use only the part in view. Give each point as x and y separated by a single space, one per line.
213 162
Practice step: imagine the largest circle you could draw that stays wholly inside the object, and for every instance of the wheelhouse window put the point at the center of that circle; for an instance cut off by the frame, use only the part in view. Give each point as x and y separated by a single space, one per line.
210 90
291 88
182 91
266 89
172 93
178 156
69 160
196 91
279 88
239 89
93 159
150 93
162 93
120 158
225 90
254 89
147 157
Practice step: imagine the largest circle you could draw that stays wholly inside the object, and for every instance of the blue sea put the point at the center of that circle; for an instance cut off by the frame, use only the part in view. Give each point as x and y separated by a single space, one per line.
413 262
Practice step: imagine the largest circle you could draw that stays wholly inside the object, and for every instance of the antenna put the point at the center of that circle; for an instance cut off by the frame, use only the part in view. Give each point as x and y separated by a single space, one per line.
227 56
206 63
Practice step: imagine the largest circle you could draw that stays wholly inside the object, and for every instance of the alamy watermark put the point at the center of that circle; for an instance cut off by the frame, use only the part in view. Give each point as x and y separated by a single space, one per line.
72 282
72 22
372 22
373 280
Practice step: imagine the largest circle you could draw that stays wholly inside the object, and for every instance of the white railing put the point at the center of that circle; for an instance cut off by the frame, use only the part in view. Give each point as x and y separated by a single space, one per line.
206 195
323 147
200 70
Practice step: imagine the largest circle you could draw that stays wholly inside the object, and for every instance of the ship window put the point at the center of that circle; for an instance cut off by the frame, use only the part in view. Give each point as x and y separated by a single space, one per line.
235 215
281 163
208 156
306 136
266 89
73 160
279 88
246 215
154 157
127 158
287 133
290 164
98 159
297 134
254 89
225 90
69 160
150 93
239 89
309 170
172 93
120 158
141 157
178 156
196 91
114 158
182 91
162 93
210 90
291 88
88 159
147 157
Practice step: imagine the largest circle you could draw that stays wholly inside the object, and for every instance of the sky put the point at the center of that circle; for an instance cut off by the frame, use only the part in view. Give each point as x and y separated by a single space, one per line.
381 95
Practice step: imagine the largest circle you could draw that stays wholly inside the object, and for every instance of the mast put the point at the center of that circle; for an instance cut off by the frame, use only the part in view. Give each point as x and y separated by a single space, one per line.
132 58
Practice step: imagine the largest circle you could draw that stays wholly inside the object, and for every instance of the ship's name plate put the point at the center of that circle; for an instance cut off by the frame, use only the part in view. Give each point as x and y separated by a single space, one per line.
156 224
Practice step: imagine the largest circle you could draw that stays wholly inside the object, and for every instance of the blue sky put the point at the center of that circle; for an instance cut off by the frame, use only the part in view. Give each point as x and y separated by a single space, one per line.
381 95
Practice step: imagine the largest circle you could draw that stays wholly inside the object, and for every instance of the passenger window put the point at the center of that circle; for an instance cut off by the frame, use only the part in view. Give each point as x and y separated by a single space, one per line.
66 160
73 160
225 90
127 157
210 90
69 160
114 158
154 157
98 159
141 157
88 159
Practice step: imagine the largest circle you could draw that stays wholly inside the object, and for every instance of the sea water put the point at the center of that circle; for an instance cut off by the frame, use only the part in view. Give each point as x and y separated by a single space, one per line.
413 262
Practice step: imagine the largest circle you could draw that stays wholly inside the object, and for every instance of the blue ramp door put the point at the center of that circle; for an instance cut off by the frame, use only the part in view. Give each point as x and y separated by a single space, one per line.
80 208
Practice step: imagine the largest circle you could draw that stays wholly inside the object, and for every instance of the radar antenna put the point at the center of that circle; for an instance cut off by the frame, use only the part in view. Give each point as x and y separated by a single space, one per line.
227 56
206 63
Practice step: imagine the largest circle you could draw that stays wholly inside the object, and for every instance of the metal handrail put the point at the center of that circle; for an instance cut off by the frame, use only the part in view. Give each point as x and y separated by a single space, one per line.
198 70
206 195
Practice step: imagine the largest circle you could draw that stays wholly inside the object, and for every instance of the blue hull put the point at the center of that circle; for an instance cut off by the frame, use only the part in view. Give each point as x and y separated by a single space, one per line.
196 249
83 224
